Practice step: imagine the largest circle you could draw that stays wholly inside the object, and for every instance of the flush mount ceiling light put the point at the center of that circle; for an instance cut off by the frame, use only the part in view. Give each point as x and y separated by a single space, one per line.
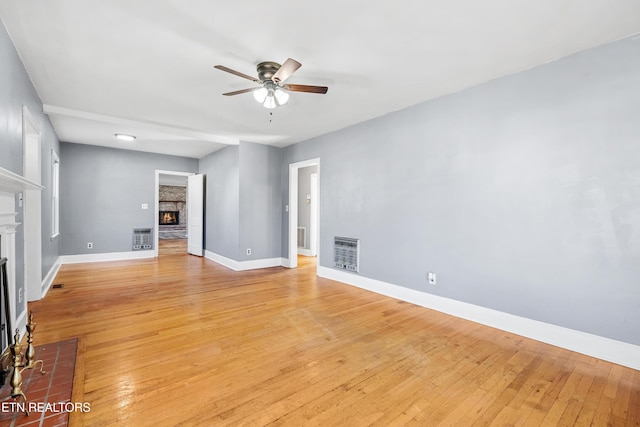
272 94
125 137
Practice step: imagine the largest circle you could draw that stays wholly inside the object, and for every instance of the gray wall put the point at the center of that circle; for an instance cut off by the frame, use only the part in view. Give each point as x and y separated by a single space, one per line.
243 201
17 91
304 208
222 201
101 194
260 201
522 194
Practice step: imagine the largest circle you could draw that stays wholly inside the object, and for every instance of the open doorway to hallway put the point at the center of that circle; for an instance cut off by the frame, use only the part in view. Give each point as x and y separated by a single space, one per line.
307 215
304 213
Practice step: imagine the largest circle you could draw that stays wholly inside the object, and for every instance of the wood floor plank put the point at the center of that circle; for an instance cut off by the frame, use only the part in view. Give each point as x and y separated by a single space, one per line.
180 340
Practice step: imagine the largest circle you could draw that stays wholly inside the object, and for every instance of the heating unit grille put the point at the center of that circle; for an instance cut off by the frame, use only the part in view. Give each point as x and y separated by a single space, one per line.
141 238
346 253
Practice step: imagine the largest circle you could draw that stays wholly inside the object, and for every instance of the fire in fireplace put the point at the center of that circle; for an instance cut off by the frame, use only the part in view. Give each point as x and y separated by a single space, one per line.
169 217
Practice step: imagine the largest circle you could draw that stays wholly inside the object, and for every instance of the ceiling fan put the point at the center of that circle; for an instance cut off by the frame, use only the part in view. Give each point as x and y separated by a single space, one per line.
272 92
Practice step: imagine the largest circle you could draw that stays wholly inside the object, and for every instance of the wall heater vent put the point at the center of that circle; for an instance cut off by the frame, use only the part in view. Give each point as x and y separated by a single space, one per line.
142 238
346 253
302 237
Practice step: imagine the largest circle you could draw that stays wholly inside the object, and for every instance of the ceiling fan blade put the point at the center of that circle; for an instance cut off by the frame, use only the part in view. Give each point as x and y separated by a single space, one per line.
306 88
238 92
284 72
237 73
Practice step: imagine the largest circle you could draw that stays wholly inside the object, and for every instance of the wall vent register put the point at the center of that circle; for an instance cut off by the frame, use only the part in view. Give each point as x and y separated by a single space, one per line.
346 253
142 239
302 237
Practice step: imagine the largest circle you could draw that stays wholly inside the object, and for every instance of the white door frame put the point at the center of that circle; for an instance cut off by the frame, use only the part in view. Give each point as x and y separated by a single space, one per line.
315 214
156 214
293 210
32 211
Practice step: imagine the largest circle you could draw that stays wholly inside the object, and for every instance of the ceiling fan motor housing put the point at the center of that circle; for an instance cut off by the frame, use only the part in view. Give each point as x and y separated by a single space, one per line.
267 69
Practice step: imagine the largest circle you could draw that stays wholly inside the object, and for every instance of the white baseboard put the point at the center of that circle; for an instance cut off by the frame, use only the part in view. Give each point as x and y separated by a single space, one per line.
304 252
110 256
244 265
21 323
50 277
592 345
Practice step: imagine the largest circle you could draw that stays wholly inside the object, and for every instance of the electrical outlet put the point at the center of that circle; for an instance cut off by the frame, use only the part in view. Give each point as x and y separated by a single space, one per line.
432 277
89 245
20 295
248 251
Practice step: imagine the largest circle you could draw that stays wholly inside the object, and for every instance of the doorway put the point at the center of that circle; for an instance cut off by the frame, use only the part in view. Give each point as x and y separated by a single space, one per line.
307 215
32 211
171 212
313 196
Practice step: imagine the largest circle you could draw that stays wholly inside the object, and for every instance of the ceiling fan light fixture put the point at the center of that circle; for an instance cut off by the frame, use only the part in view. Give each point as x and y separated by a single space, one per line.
270 101
260 94
282 97
271 95
271 76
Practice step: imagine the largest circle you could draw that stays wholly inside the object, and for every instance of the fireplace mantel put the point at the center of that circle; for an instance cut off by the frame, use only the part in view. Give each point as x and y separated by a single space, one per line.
13 183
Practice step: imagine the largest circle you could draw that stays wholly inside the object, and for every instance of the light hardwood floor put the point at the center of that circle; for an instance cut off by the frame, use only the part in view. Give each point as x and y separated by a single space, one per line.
180 340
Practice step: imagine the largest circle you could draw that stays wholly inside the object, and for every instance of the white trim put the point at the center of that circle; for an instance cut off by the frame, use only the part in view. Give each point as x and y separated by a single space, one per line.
50 277
55 194
108 256
314 217
22 317
222 260
293 216
286 262
592 345
7 228
244 265
21 323
304 252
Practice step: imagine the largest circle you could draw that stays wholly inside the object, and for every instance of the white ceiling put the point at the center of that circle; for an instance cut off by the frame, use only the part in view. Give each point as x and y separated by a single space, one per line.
146 67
